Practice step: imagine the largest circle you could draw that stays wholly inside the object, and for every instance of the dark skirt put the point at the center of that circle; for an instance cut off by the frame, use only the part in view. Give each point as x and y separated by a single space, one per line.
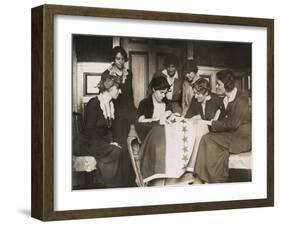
213 157
120 131
108 159
108 164
152 152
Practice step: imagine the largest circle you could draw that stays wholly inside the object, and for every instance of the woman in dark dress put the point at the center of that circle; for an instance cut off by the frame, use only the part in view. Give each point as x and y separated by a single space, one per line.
155 108
125 111
231 133
153 112
204 104
97 133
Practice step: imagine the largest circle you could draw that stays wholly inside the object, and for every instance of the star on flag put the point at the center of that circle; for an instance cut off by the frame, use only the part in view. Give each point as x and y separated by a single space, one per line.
185 167
184 129
185 148
184 139
183 121
185 158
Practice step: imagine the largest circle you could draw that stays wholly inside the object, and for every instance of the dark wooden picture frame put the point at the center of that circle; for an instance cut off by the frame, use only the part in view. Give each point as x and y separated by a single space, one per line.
42 203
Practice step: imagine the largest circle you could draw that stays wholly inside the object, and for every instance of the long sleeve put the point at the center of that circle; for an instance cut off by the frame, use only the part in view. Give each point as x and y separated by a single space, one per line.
193 109
87 135
145 108
238 115
91 116
141 109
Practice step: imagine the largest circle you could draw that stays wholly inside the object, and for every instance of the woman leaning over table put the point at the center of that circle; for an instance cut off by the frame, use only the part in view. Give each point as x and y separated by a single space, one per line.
153 112
155 108
204 104
231 133
125 111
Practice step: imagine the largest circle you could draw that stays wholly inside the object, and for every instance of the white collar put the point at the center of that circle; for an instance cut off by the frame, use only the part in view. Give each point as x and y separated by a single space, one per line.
176 76
113 70
232 95
206 99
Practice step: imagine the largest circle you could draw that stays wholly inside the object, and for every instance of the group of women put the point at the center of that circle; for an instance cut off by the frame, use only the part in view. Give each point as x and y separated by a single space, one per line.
109 115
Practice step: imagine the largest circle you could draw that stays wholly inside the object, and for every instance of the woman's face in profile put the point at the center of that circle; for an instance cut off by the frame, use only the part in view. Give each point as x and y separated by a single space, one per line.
114 92
220 88
119 61
190 76
200 97
159 94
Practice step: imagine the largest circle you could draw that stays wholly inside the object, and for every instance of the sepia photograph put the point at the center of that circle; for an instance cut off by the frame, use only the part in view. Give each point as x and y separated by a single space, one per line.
139 112
160 112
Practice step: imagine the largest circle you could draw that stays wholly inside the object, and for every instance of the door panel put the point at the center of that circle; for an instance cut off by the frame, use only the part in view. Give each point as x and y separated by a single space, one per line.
139 67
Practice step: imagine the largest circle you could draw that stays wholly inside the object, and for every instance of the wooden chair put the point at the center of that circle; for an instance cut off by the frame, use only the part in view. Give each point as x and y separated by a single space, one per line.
134 147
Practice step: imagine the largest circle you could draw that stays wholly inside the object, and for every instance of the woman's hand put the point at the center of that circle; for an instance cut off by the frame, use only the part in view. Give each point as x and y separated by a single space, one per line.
168 114
197 117
206 122
174 117
168 118
143 119
155 119
164 121
115 144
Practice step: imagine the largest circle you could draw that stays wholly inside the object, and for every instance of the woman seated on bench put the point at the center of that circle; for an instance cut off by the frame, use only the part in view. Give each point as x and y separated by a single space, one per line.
231 133
96 138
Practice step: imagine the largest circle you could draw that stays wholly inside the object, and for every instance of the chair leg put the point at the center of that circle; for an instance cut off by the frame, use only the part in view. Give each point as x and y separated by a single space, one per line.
133 148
